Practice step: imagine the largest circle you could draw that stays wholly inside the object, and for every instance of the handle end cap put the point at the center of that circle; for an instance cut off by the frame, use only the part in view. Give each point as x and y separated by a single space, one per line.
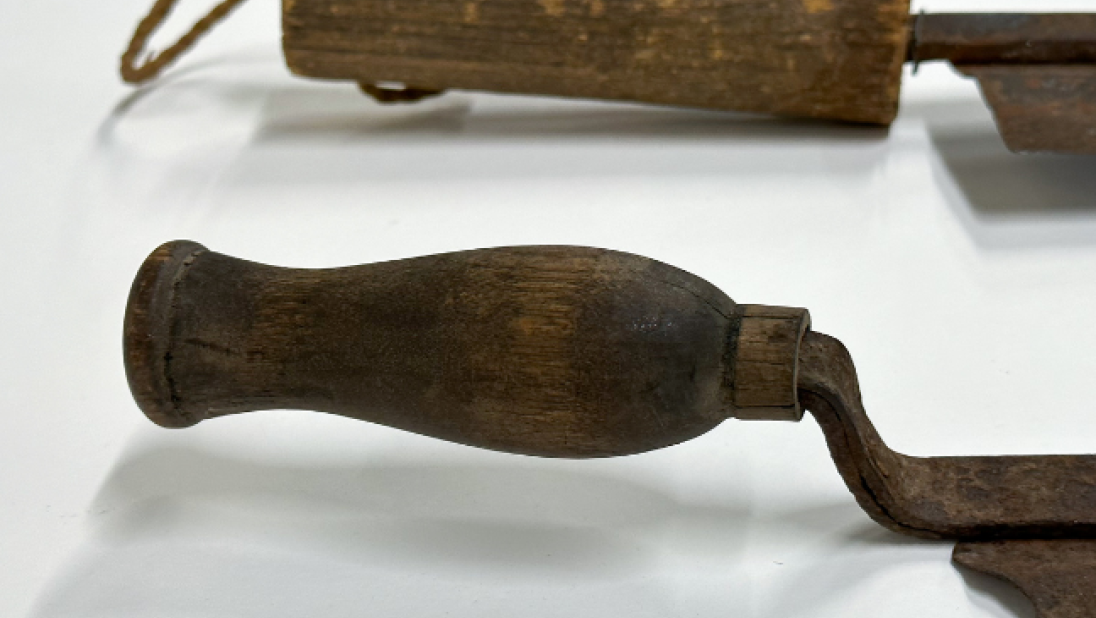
146 340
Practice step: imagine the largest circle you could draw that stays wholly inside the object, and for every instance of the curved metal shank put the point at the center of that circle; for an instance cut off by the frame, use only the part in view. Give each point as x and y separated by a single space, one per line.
968 498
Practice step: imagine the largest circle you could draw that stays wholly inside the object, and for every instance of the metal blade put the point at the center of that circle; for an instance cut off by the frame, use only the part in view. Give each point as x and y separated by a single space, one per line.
1041 108
1058 576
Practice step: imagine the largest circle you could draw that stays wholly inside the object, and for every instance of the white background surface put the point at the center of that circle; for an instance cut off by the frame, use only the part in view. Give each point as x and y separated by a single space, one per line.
960 276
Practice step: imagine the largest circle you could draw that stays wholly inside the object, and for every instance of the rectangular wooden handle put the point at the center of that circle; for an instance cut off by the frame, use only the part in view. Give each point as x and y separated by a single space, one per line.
837 59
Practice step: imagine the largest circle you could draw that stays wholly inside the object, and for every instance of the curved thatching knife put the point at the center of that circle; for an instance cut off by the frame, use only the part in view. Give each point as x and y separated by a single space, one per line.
576 352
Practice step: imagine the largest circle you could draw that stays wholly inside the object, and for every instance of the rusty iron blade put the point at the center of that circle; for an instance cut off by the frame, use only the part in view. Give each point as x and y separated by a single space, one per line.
1037 71
1058 576
1041 108
1004 38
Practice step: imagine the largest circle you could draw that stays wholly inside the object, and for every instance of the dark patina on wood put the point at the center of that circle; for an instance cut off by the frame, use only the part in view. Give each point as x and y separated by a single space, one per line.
553 351
572 352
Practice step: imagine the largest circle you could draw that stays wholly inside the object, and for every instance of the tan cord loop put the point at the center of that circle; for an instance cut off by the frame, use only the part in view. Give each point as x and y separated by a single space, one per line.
154 64
396 95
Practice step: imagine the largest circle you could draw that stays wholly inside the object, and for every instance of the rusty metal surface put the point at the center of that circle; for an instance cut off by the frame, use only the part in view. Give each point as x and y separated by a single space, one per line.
962 498
1058 576
1037 72
1004 38
1006 511
1042 108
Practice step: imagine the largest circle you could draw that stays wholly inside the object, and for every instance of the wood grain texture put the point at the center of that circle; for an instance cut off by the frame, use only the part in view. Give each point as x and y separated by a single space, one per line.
836 59
766 363
553 351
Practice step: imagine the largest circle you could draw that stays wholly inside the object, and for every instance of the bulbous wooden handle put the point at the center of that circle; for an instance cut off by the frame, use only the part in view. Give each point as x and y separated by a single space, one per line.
572 352
552 351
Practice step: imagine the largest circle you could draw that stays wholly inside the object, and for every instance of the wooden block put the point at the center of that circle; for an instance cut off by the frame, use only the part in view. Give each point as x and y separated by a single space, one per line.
837 59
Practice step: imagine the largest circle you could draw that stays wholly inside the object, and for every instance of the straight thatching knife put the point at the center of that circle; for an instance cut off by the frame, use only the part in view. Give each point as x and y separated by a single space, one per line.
831 59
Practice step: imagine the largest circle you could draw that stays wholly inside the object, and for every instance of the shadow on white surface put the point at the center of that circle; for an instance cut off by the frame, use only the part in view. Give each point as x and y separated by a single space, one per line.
502 138
307 133
314 112
184 532
1003 199
180 531
161 93
337 110
857 553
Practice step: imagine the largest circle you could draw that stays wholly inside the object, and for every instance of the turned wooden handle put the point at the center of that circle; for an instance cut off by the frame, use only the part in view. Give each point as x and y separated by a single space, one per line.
552 351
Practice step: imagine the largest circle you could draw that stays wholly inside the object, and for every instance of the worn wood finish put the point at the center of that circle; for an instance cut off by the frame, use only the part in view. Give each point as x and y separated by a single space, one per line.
555 351
766 363
838 59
